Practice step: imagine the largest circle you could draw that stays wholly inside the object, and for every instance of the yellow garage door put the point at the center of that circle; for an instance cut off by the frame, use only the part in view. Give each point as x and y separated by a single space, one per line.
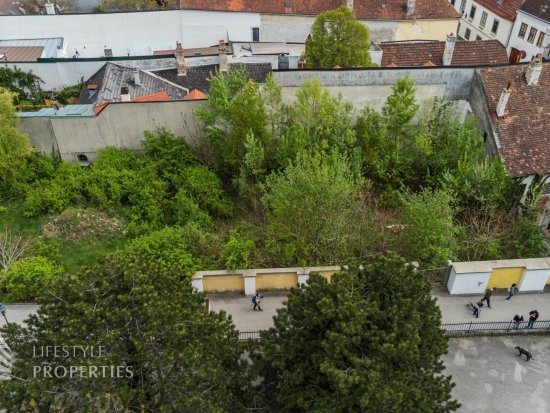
505 277
281 281
221 283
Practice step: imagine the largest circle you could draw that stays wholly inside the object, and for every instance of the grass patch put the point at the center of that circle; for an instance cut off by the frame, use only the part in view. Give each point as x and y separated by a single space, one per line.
12 218
75 255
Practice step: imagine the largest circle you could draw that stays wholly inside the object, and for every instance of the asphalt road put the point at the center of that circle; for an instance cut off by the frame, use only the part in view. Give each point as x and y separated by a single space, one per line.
490 376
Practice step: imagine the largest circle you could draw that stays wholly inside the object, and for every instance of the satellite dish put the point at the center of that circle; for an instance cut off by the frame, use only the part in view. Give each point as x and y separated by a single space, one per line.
522 54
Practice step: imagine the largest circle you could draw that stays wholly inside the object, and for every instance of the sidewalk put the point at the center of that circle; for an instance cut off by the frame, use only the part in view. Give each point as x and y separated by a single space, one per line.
453 308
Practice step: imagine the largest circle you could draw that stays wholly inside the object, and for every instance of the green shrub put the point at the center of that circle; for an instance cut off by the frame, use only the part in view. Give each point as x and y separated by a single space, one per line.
185 210
25 279
237 251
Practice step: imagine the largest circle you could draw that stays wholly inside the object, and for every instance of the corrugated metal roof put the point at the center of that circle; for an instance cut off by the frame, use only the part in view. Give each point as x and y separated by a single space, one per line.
21 54
69 111
49 44
269 48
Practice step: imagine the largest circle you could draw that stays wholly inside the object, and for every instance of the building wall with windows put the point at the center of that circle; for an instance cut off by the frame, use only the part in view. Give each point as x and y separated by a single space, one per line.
479 23
530 35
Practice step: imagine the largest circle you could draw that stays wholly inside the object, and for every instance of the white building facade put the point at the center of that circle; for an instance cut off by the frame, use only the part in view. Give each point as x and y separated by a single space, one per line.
485 20
531 33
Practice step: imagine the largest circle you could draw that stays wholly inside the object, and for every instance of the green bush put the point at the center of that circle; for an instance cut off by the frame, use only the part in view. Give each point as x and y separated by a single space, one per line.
237 251
30 108
25 279
185 210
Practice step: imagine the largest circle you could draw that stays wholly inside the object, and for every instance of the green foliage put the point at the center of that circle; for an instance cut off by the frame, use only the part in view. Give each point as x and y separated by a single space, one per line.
308 207
24 85
528 239
14 148
336 345
186 210
338 38
26 279
236 251
144 317
30 108
70 95
430 234
532 204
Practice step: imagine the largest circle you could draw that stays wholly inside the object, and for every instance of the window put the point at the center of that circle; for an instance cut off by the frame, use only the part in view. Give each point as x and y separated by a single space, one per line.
522 31
483 19
485 137
83 160
255 34
453 2
532 35
478 37
467 34
472 12
495 26
462 6
541 39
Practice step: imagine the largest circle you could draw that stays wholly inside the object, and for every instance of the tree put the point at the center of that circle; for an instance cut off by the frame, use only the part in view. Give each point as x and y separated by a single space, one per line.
137 5
337 38
26 278
14 149
13 248
168 354
368 341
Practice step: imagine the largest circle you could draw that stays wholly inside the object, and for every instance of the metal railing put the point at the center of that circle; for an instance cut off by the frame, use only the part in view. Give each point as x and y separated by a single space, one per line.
461 328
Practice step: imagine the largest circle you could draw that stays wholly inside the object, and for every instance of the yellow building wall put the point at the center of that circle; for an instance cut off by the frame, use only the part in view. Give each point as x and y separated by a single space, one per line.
327 274
220 283
276 281
505 277
426 29
548 281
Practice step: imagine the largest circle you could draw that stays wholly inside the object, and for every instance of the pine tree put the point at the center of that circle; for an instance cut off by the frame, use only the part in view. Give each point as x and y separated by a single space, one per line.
368 341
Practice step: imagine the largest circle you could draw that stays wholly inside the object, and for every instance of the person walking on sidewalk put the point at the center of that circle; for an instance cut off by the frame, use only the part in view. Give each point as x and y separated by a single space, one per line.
477 308
512 290
487 297
256 301
517 320
533 315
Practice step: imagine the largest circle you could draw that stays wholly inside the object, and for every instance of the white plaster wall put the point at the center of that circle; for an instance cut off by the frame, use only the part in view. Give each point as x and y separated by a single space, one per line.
475 283
250 285
534 280
140 32
522 44
504 28
197 283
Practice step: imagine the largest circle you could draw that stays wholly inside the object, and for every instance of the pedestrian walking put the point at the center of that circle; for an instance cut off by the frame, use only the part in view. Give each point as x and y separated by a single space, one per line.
487 297
477 308
256 301
517 320
533 315
512 290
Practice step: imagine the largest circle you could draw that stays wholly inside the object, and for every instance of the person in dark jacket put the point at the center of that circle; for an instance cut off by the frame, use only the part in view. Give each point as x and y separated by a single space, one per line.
477 308
517 320
487 297
533 315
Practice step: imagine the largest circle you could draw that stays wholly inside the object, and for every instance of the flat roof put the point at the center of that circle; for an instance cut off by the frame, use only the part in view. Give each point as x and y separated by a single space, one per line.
69 111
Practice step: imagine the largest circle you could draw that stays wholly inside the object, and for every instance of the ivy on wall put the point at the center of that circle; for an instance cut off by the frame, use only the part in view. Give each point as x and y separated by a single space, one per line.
25 84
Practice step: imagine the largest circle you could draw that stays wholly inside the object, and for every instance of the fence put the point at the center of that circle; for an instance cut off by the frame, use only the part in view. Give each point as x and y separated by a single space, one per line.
461 328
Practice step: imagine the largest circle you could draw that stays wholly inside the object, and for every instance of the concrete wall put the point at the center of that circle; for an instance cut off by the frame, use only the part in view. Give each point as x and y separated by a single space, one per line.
504 277
471 283
534 280
140 32
480 109
457 79
118 124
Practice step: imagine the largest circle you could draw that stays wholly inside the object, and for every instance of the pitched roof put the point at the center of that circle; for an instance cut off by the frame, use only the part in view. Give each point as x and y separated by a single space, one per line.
155 97
112 77
363 9
523 130
506 9
537 8
195 95
99 108
476 53
22 54
197 51
49 44
197 76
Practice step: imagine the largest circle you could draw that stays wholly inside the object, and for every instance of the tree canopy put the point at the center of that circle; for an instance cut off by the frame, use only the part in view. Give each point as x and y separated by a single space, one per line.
368 341
338 38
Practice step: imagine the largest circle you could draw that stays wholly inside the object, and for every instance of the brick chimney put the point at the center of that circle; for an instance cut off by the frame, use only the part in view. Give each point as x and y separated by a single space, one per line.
349 3
124 94
180 60
136 77
534 69
223 56
449 49
501 106
410 7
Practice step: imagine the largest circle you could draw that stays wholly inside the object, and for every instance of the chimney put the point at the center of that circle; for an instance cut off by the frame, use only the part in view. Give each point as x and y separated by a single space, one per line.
349 3
136 77
410 7
501 106
449 49
49 8
223 56
124 94
180 60
533 70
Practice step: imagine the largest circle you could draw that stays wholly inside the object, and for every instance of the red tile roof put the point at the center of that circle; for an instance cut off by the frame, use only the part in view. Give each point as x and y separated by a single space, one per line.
523 130
363 9
506 10
476 53
99 108
152 97
537 8
195 94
